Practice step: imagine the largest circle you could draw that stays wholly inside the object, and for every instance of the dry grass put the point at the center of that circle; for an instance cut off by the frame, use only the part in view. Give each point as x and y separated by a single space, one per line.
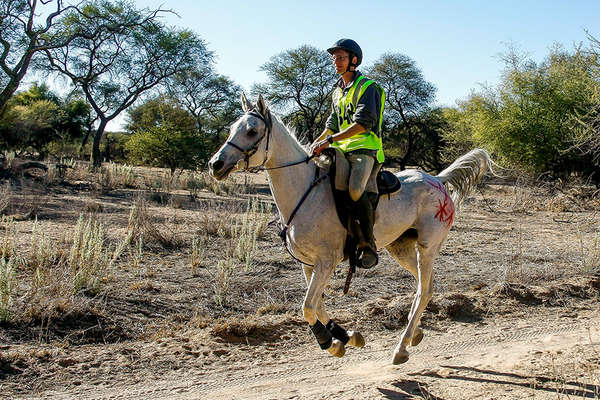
142 224
8 284
5 198
575 374
200 263
45 279
197 253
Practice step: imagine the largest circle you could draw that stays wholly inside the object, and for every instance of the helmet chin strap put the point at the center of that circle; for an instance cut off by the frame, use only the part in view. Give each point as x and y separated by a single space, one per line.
351 64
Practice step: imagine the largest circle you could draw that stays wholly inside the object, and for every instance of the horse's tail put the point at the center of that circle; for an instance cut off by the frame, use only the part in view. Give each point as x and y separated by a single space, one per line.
464 173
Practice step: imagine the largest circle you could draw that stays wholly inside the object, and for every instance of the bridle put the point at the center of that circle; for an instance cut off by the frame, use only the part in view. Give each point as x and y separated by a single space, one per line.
247 153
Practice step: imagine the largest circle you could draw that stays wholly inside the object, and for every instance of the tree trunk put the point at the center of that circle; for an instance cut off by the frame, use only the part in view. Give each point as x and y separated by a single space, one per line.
7 93
96 157
15 80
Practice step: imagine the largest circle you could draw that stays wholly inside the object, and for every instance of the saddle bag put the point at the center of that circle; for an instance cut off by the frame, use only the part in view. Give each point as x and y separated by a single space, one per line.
387 182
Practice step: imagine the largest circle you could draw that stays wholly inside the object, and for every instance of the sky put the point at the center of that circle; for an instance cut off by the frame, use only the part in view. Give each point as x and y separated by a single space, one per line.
456 44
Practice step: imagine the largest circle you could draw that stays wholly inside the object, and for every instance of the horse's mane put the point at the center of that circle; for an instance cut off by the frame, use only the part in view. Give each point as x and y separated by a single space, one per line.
290 130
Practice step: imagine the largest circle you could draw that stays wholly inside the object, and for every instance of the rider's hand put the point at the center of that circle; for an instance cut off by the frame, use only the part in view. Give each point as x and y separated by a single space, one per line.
317 147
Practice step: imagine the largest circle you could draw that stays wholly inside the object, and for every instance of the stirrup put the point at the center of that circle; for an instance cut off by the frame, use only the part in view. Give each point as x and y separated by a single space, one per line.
367 258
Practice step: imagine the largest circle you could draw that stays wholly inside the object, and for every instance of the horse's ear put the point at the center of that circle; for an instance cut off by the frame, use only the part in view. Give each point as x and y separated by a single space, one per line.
245 103
262 106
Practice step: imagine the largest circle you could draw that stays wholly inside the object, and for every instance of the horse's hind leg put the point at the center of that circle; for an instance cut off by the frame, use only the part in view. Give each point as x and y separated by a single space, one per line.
404 251
424 273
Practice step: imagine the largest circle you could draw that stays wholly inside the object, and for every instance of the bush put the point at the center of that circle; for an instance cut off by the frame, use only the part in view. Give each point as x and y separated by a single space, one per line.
526 120
167 146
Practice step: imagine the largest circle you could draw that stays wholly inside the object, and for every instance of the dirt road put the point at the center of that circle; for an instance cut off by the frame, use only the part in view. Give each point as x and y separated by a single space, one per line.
540 357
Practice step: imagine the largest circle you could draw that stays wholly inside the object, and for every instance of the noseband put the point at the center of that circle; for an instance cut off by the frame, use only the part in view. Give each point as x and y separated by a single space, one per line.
247 153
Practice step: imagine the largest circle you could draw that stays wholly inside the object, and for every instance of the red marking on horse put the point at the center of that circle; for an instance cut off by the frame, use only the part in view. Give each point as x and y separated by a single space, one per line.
445 212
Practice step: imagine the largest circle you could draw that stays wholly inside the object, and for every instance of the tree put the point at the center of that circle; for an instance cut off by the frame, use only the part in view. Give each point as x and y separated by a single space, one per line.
586 126
117 65
299 85
457 133
166 146
165 135
22 36
408 100
212 99
35 93
526 121
154 112
37 117
429 142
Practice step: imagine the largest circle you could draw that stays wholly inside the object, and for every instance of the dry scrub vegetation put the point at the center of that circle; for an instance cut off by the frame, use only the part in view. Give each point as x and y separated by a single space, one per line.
131 269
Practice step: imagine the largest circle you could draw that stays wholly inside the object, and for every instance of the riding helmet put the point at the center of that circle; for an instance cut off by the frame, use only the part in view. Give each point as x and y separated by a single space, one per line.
350 46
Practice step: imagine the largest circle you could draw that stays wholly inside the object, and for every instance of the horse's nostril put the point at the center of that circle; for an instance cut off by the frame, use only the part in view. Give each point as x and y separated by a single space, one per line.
217 165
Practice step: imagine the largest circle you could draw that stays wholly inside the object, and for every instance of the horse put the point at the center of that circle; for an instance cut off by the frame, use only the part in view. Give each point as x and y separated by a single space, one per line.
411 224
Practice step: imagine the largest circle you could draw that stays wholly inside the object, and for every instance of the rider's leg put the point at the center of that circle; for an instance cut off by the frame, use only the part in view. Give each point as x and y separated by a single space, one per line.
361 166
362 208
363 211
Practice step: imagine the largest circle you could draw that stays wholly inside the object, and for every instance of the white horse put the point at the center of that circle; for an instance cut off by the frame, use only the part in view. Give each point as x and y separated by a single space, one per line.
412 224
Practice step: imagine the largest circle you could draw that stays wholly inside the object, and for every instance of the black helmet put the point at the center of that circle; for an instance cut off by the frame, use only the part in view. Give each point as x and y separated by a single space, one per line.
350 46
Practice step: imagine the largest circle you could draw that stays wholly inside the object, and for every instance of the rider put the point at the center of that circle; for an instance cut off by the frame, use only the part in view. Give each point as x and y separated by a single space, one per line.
354 126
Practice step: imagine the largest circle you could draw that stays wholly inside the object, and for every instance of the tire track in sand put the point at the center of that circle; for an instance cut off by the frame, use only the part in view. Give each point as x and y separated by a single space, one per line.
280 379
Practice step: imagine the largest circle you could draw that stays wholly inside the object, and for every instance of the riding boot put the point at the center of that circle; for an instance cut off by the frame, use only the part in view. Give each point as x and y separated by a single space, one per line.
363 211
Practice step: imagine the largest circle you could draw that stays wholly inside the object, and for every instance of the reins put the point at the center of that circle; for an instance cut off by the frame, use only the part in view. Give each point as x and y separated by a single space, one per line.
247 153
283 234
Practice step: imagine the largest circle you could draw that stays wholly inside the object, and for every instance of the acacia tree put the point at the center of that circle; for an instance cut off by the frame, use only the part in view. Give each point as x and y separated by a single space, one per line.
37 117
527 120
117 65
299 85
23 35
408 100
211 98
163 134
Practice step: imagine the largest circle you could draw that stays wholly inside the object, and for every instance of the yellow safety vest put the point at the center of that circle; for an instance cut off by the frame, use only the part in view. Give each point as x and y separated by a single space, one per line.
345 106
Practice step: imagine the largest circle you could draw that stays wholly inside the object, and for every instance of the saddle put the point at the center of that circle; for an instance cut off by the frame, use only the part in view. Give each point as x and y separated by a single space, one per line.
339 173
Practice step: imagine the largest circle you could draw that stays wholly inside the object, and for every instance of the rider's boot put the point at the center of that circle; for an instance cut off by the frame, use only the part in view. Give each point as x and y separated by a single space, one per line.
363 210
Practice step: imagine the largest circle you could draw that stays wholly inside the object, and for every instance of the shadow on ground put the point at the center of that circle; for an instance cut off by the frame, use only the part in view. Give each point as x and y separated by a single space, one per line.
534 382
408 389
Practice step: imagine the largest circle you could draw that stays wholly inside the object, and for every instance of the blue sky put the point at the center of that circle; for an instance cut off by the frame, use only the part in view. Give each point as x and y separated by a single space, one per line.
455 43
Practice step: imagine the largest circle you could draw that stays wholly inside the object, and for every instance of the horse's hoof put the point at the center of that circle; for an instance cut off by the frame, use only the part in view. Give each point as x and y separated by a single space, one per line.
356 339
400 357
337 348
417 337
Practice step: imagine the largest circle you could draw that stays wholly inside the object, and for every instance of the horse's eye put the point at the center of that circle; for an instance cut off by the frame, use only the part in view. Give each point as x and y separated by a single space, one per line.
251 132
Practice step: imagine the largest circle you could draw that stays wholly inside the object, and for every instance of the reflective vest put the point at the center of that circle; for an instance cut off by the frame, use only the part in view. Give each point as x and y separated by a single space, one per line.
345 107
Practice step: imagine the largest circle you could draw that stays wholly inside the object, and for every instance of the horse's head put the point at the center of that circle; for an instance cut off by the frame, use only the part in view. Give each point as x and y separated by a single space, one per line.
248 143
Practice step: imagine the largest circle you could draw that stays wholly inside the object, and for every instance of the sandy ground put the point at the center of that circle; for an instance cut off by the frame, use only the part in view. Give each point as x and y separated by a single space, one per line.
515 358
515 314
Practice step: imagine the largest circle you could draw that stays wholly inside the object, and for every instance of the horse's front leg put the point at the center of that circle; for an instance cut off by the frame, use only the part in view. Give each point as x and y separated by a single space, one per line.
352 338
314 311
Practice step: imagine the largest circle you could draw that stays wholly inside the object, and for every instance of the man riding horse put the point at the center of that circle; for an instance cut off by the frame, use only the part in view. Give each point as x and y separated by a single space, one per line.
354 127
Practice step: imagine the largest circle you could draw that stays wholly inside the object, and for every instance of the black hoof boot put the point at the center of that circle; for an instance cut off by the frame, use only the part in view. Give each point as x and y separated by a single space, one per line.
368 258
